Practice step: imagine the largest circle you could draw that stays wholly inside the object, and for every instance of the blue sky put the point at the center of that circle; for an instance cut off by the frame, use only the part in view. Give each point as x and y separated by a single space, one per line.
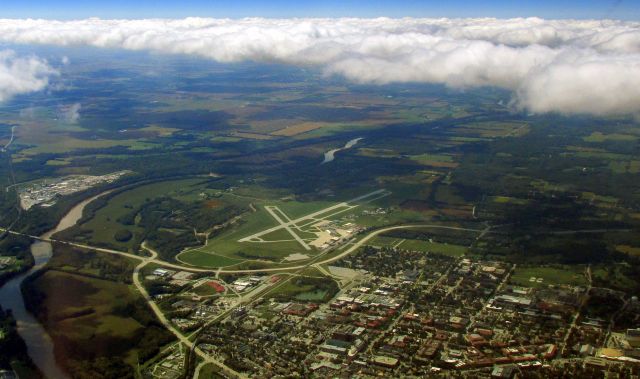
71 9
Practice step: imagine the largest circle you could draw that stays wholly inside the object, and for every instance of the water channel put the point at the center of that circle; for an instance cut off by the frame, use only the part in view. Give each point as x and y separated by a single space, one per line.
330 155
39 344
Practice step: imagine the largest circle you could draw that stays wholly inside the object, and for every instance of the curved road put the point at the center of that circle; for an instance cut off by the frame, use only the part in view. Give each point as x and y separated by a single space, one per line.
39 344
154 259
160 315
160 262
316 262
214 270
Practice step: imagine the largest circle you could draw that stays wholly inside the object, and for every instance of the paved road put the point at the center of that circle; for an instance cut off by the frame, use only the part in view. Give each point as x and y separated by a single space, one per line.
375 233
196 372
574 322
311 215
285 225
318 261
160 262
160 315
218 271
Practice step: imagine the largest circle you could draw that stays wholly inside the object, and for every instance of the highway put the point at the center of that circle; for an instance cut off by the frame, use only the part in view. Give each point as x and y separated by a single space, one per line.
218 271
316 262
374 233
158 312
160 262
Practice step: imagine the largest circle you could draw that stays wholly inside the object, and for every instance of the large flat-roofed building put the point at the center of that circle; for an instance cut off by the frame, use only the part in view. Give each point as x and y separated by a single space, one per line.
333 349
504 372
595 362
512 300
385 361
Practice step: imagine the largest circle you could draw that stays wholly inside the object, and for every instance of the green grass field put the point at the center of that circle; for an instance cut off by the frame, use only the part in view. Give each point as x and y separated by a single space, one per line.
279 235
385 241
207 259
279 244
600 137
435 247
87 309
508 200
306 289
570 275
205 290
296 209
228 251
315 295
432 158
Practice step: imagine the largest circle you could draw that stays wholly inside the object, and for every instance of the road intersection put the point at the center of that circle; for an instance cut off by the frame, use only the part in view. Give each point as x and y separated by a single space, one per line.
282 224
325 257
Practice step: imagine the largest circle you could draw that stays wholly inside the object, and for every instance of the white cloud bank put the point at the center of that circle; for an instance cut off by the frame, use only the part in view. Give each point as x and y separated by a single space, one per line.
20 75
567 66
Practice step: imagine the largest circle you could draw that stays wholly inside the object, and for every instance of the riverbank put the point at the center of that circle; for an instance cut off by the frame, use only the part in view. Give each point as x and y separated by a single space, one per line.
39 345
329 156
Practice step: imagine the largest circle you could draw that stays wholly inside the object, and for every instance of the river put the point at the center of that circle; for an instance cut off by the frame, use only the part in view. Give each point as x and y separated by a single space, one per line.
39 344
6 147
330 155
